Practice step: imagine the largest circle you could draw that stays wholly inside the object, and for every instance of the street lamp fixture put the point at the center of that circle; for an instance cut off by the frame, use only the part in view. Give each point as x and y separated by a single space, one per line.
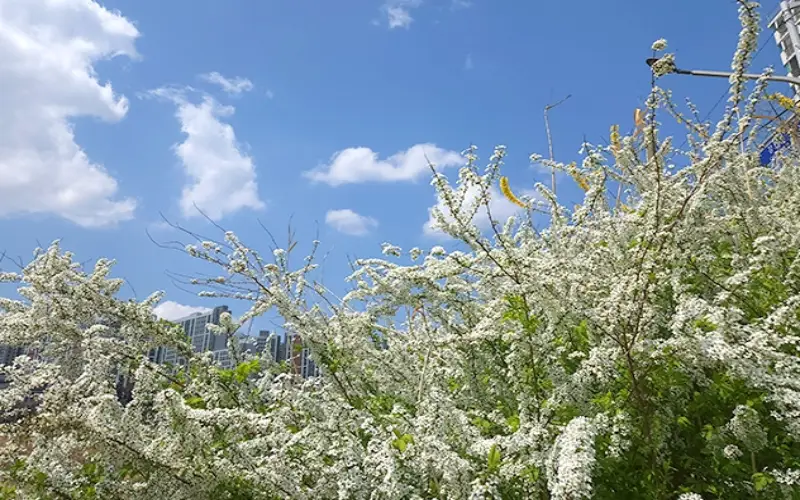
726 74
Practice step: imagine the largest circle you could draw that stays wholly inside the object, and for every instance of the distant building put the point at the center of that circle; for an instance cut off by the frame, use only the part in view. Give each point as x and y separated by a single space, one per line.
271 343
202 340
308 368
289 349
9 353
299 357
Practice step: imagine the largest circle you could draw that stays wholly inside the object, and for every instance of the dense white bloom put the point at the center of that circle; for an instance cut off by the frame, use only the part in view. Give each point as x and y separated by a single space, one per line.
659 45
391 250
732 452
746 427
665 65
790 477
572 460
438 251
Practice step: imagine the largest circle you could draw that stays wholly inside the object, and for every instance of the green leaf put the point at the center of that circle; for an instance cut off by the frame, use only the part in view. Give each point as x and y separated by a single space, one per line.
494 459
196 402
761 480
684 422
402 441
513 422
244 370
532 472
705 325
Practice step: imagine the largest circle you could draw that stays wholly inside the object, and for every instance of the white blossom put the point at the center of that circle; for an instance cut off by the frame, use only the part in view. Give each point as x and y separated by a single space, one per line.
659 45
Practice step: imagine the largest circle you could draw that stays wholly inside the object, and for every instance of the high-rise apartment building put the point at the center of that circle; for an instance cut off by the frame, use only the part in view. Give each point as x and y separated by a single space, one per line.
298 355
271 343
289 349
8 353
202 340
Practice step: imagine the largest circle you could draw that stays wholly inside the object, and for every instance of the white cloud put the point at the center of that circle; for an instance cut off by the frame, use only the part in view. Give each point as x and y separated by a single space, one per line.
222 179
233 86
349 222
499 205
47 77
460 4
172 311
398 12
468 62
357 165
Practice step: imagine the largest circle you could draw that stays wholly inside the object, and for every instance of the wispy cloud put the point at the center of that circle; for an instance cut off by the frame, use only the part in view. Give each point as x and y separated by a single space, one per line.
172 311
398 12
349 222
232 86
468 65
222 178
359 165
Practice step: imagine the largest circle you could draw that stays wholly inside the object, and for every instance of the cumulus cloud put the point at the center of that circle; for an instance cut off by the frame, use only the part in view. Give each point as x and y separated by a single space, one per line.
233 86
47 77
349 222
172 311
499 205
398 12
222 179
358 165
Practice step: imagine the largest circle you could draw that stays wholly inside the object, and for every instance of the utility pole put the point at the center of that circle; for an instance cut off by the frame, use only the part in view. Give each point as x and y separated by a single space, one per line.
787 37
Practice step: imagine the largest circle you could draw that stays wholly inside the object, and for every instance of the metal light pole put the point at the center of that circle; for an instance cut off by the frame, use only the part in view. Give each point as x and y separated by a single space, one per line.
727 74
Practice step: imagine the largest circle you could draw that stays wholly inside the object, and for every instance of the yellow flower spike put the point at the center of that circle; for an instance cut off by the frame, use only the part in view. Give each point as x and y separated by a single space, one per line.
506 189
615 145
583 183
638 121
782 100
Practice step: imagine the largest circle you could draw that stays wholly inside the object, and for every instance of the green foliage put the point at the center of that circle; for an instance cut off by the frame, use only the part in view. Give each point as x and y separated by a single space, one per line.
402 441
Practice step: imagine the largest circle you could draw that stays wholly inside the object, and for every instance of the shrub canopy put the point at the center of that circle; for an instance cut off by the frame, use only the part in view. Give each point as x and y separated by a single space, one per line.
643 345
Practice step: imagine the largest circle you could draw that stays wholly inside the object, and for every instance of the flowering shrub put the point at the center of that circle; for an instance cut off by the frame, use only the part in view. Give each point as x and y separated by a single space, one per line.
643 345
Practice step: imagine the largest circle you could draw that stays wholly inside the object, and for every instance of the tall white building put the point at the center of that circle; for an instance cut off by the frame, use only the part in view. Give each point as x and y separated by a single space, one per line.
200 338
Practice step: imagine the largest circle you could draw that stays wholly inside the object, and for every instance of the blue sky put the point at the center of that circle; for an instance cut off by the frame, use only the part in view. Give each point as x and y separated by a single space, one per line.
270 110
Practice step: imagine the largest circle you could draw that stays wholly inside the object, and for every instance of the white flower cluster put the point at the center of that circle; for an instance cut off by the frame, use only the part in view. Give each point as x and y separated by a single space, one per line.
572 460
659 45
